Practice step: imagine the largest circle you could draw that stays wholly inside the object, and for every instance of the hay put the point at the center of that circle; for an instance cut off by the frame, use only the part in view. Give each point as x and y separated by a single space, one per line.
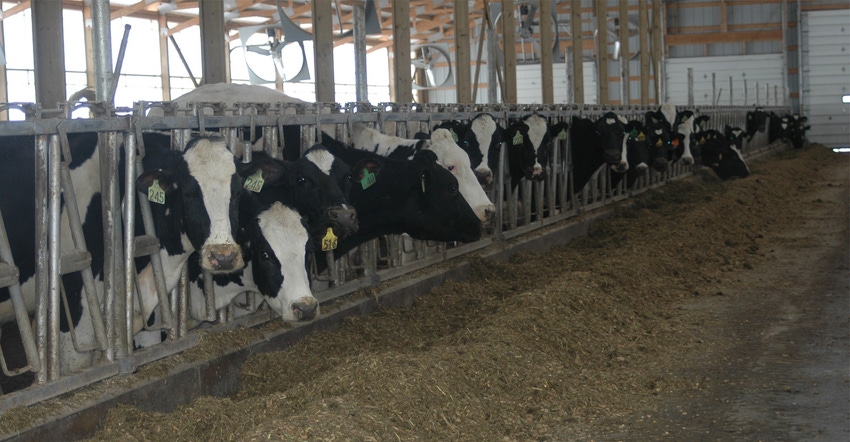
521 349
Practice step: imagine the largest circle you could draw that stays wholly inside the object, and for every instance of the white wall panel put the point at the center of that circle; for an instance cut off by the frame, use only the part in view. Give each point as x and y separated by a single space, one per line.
764 71
826 75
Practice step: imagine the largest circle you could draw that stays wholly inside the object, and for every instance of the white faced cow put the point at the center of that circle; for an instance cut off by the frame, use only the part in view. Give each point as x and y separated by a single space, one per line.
200 186
449 155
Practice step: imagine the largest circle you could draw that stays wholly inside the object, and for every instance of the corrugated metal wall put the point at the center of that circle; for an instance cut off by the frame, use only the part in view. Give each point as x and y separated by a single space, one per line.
756 80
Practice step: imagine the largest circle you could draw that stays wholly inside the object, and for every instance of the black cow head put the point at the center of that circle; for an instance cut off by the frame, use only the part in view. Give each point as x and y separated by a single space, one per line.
756 122
316 185
717 154
609 132
529 143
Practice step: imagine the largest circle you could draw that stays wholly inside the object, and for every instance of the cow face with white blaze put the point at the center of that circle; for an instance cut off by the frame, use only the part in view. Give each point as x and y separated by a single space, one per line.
205 174
481 139
449 155
610 136
279 245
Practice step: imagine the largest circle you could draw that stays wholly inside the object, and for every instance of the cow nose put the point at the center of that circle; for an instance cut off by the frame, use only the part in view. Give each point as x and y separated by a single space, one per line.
621 167
224 258
305 309
660 164
689 161
344 218
489 213
484 177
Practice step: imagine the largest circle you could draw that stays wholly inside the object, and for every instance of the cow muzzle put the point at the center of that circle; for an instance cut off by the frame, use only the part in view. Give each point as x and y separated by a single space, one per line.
660 164
305 309
688 160
620 167
536 173
221 258
485 178
343 220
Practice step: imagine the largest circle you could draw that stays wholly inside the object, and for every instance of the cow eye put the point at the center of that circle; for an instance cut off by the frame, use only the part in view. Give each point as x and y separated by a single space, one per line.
301 180
453 188
264 255
349 177
451 167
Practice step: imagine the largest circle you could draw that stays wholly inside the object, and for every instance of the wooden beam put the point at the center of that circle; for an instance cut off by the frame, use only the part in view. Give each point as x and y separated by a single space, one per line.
602 51
20 7
509 48
643 17
657 49
213 51
142 5
624 48
323 51
463 77
578 65
546 40
401 51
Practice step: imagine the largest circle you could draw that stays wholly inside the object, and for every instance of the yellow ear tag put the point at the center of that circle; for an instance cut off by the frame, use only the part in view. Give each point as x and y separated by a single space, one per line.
329 241
517 139
367 180
658 143
155 193
454 135
562 135
641 136
254 183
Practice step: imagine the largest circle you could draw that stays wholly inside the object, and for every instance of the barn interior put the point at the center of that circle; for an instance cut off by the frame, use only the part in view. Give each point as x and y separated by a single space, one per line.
400 66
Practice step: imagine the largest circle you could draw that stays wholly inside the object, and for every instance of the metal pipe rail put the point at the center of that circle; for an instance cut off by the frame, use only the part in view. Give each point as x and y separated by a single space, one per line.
544 203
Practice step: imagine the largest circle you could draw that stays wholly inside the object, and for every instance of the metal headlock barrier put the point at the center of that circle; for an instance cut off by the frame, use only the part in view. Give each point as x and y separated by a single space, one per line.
110 348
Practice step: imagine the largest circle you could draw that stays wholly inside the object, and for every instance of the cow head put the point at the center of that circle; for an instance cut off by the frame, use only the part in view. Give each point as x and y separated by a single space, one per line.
638 145
610 135
756 122
316 185
456 161
661 143
200 191
685 125
280 245
419 197
718 154
481 139
529 144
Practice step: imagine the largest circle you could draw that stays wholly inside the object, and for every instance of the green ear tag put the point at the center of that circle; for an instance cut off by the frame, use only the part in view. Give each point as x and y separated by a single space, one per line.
155 193
517 139
367 180
254 183
454 135
633 134
329 241
562 135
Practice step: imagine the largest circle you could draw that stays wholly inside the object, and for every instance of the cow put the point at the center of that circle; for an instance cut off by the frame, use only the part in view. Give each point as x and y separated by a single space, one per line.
449 155
638 148
277 249
721 152
481 139
685 123
797 130
597 143
415 196
756 122
529 143
200 189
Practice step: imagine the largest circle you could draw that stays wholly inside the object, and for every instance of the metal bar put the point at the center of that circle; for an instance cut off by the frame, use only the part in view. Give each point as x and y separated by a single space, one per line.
130 237
54 157
102 35
118 64
42 269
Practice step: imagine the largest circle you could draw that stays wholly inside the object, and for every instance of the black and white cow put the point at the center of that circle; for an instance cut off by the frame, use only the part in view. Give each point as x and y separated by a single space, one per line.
597 143
481 139
277 248
721 152
449 155
200 189
756 122
418 197
529 142
637 154
685 123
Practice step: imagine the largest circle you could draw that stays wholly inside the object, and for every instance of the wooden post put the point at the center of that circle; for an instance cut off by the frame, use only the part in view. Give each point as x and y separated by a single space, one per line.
323 50
48 53
658 49
546 75
213 48
602 50
578 71
509 49
643 15
624 51
463 67
4 89
401 51
88 40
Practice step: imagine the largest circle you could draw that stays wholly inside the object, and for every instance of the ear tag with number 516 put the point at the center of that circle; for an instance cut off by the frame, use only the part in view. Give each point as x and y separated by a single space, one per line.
155 193
329 241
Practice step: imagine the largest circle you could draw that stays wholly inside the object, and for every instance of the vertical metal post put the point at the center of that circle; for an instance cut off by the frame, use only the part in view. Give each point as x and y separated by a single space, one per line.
41 251
130 237
102 35
691 87
731 93
360 68
54 191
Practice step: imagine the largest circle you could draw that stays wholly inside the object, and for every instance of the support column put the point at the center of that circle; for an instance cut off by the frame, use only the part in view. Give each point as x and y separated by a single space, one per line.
643 15
624 52
323 51
213 48
401 51
546 42
48 53
658 50
578 65
509 49
463 68
602 50
360 75
165 75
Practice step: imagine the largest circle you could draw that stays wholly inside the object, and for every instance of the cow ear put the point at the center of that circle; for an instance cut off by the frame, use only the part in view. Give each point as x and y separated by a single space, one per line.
272 170
425 156
366 172
163 178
